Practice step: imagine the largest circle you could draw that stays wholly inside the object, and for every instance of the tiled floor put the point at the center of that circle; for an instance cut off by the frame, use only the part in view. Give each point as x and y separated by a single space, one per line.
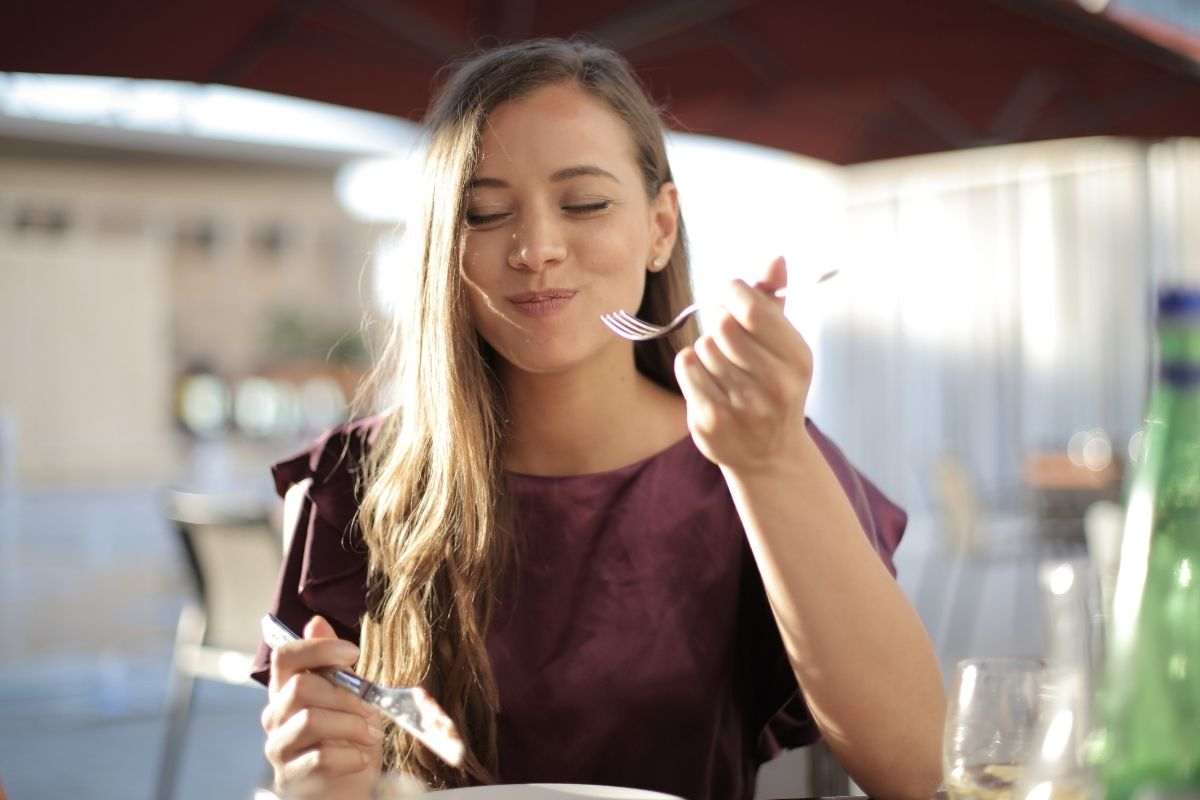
90 586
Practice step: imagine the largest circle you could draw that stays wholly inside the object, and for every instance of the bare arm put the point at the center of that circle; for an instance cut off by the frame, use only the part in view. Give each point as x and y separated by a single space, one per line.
858 649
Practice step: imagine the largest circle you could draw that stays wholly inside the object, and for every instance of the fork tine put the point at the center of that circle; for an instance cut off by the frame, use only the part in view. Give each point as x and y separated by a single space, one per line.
612 324
627 325
639 325
622 328
619 321
646 329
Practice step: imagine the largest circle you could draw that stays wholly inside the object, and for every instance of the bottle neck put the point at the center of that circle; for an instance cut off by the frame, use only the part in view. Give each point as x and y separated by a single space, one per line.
1179 352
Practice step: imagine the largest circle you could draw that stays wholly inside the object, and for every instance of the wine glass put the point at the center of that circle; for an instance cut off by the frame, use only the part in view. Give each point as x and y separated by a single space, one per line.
992 727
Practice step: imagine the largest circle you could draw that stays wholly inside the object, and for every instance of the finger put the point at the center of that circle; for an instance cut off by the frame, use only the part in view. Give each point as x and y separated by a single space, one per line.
698 387
318 627
306 654
737 384
775 278
743 350
328 761
315 727
308 690
763 319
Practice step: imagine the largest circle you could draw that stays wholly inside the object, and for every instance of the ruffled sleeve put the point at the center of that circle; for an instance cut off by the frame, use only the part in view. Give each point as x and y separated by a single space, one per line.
882 520
325 569
775 695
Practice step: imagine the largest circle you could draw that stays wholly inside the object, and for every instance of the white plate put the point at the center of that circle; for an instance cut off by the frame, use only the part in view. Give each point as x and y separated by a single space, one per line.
549 791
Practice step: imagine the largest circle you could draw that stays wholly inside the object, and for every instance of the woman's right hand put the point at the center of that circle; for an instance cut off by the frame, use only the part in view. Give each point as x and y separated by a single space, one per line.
320 736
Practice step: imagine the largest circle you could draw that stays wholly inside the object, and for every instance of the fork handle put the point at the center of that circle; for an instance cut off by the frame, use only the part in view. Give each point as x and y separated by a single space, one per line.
339 676
275 633
824 276
783 293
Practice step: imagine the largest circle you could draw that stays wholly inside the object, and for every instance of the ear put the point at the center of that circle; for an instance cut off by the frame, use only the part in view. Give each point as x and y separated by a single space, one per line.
664 226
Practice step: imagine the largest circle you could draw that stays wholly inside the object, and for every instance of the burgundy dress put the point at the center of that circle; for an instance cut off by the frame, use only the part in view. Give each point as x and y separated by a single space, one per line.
634 647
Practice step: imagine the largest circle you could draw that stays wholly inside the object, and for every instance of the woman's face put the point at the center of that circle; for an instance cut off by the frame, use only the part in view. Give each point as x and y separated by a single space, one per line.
559 229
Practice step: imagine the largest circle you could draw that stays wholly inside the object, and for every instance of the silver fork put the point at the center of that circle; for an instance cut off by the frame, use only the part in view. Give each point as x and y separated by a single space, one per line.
626 325
413 709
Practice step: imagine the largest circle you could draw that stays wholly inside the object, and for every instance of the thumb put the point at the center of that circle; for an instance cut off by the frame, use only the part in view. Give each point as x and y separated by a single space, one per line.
319 628
776 278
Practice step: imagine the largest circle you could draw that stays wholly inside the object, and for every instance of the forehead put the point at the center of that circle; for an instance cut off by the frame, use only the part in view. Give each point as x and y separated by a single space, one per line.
555 126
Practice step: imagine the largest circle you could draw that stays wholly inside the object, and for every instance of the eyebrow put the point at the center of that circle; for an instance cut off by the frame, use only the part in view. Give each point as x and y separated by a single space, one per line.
566 173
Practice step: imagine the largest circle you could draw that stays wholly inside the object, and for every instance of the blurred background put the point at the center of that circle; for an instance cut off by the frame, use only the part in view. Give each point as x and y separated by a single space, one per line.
201 205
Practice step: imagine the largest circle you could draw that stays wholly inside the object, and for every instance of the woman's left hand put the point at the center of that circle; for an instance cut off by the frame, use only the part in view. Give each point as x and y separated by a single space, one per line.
746 381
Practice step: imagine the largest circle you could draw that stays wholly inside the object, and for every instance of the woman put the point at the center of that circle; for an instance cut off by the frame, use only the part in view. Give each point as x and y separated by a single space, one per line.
610 563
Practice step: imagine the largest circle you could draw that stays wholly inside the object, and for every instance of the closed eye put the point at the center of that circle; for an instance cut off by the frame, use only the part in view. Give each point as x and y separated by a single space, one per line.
588 208
479 220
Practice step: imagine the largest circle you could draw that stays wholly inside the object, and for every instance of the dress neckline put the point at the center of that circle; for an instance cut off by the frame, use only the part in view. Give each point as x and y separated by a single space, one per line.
609 473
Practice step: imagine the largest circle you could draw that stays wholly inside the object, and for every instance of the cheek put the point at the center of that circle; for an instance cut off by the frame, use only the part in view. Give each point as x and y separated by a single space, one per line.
488 321
610 246
477 253
615 266
484 274
478 287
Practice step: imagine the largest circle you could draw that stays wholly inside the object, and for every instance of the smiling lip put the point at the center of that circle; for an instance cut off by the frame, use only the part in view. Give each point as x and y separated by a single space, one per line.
543 303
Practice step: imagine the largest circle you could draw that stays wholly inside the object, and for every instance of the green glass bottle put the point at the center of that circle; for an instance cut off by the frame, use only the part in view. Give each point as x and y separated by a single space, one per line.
1149 708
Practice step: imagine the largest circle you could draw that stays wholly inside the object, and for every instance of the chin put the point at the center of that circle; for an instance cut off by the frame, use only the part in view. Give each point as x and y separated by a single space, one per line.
543 358
543 364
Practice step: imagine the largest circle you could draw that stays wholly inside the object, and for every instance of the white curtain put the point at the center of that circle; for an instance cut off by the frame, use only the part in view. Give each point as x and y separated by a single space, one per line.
997 301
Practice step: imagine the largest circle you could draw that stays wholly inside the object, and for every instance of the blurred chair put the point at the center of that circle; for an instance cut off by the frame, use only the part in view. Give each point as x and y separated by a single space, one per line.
959 506
971 545
232 553
1062 485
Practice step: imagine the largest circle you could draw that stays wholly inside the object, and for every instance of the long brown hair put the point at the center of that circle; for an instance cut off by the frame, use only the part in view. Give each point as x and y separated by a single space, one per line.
433 512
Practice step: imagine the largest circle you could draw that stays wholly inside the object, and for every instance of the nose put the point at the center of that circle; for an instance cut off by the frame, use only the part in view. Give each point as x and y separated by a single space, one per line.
537 243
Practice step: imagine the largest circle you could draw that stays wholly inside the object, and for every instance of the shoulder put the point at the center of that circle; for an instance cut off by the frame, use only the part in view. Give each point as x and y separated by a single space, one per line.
326 562
325 566
882 520
322 487
333 459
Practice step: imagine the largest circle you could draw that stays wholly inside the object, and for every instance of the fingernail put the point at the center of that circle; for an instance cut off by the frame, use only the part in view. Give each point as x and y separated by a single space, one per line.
347 649
375 733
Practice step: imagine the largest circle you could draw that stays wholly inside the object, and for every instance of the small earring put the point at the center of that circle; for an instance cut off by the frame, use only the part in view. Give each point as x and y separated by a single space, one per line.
659 261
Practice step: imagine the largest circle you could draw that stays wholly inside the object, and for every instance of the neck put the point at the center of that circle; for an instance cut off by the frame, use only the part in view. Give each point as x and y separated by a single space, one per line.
592 418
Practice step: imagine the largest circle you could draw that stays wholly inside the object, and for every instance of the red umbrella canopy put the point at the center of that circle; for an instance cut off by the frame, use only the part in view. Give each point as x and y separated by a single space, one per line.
843 81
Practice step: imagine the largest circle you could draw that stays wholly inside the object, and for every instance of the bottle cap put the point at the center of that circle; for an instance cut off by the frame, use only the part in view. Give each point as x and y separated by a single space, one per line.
1179 302
1180 374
